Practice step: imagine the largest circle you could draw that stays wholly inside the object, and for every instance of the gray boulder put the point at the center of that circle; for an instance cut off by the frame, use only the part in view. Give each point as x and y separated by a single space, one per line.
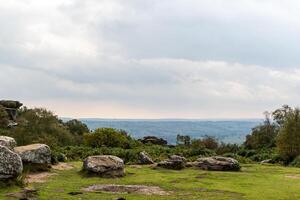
8 142
174 162
217 163
35 153
144 158
10 163
104 165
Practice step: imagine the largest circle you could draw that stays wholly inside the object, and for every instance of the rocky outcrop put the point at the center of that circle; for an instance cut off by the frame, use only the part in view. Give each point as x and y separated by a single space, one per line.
144 158
10 163
34 154
267 161
8 142
174 162
104 165
10 107
217 163
153 140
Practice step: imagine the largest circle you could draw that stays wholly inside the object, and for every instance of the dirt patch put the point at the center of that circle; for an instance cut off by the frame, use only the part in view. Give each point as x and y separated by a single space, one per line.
139 189
293 176
30 194
39 177
63 166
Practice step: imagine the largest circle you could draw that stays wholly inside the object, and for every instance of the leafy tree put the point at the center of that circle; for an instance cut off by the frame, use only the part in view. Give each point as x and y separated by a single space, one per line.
208 142
262 136
183 140
107 137
288 141
39 125
280 114
77 127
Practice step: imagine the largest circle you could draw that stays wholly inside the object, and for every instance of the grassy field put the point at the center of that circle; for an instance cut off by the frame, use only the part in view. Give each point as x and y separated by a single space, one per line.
254 182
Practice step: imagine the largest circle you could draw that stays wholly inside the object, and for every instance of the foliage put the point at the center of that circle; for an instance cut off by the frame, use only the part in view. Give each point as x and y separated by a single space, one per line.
208 142
288 141
183 140
262 136
39 125
108 137
296 162
77 127
4 118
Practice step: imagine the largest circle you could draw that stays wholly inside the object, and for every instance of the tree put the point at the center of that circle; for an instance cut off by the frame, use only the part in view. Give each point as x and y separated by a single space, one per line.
183 140
77 127
108 137
280 114
288 141
208 142
39 125
262 136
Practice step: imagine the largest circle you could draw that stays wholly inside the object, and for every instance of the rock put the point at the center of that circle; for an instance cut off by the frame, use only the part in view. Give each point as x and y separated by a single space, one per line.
218 163
266 161
10 163
190 164
174 162
104 165
153 140
35 154
8 142
11 104
144 158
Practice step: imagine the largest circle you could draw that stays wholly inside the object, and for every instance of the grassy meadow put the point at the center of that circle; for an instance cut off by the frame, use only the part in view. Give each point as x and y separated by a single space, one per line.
253 182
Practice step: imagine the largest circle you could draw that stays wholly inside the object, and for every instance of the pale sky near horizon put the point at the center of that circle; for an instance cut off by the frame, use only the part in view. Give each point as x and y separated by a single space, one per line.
151 58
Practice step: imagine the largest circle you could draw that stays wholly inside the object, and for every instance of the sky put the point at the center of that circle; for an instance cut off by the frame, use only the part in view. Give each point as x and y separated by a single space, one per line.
195 59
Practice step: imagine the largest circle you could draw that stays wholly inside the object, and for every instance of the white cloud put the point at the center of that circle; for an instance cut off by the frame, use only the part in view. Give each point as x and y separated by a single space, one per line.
151 58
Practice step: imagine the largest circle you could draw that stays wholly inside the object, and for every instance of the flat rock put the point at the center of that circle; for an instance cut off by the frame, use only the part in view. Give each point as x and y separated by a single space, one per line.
217 163
34 153
174 162
139 189
8 142
10 163
104 165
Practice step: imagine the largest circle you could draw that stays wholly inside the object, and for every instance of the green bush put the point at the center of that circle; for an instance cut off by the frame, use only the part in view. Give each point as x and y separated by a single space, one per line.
296 162
108 137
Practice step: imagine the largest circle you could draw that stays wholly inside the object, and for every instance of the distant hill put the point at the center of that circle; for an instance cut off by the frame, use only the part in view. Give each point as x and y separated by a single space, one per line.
231 131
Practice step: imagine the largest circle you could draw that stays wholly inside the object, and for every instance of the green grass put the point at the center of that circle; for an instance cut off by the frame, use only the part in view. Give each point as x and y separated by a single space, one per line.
254 182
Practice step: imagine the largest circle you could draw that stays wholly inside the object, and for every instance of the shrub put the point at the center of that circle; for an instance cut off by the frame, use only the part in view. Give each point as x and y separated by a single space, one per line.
108 137
296 162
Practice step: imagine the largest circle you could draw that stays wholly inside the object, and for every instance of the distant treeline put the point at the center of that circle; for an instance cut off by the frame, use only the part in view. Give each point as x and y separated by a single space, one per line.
276 139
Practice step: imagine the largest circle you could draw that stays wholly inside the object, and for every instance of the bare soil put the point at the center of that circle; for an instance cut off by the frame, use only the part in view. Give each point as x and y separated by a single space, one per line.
38 177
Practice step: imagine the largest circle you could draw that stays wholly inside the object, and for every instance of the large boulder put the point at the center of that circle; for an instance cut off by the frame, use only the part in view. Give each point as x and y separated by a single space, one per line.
8 142
144 158
104 165
35 154
10 163
217 163
174 162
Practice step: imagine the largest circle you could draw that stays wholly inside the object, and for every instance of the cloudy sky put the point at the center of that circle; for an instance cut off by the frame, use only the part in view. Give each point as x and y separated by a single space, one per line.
151 58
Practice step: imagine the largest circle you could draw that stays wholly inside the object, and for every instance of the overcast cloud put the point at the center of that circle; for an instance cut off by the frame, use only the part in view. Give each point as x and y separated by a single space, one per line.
151 58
